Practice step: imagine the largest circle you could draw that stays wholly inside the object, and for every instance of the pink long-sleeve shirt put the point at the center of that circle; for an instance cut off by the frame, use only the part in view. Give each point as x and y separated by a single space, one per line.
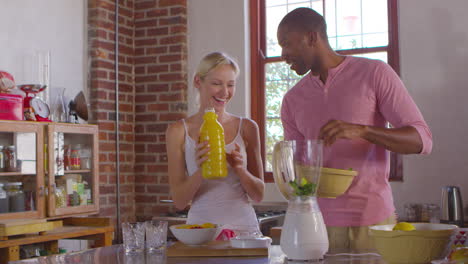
360 91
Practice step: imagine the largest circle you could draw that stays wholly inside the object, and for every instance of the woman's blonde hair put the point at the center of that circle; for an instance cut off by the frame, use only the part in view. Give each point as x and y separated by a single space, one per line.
214 60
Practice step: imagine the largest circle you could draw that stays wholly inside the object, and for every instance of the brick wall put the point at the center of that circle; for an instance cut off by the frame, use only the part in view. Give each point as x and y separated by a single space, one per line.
101 14
152 93
161 85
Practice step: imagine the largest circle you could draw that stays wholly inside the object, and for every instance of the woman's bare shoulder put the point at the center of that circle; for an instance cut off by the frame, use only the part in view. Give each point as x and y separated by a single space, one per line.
249 125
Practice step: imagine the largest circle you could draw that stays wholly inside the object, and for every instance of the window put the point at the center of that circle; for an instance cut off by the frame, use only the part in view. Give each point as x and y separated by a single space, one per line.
366 28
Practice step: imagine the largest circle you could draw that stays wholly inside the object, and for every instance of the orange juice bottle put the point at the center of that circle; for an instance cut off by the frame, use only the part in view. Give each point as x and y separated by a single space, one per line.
212 131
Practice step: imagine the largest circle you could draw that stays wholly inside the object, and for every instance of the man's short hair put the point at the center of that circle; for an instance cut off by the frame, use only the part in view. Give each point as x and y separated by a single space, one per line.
305 19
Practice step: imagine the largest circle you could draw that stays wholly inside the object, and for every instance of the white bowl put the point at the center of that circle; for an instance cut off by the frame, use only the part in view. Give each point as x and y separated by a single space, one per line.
194 236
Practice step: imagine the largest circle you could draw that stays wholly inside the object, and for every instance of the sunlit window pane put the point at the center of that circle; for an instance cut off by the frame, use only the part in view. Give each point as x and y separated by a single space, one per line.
275 11
278 80
273 17
375 40
349 42
354 24
383 56
374 16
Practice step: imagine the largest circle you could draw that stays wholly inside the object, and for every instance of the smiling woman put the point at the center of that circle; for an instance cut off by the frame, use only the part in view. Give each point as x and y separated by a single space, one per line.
223 201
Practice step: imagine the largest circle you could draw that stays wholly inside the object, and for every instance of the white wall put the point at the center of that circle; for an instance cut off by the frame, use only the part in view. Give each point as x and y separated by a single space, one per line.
220 25
57 26
434 63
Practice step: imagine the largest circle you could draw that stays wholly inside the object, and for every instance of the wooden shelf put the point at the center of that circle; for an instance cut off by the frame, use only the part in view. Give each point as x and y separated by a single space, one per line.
77 171
16 174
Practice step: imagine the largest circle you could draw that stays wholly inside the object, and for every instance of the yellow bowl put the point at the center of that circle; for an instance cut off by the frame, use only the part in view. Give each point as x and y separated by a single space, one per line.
428 242
334 182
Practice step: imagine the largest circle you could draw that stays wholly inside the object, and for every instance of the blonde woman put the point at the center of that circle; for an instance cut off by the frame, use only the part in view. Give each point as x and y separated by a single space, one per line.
222 201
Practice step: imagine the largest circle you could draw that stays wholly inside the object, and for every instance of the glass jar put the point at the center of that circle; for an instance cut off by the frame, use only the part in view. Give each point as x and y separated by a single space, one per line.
2 159
10 159
4 206
15 196
75 157
60 197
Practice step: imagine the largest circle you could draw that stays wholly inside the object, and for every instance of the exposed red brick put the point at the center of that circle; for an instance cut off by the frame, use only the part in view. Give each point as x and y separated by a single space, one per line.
157 68
171 116
168 3
170 97
158 107
169 58
173 40
156 88
157 13
162 31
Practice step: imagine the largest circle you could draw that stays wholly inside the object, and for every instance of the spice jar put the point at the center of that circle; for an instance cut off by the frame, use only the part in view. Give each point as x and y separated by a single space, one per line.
10 159
15 196
4 206
2 159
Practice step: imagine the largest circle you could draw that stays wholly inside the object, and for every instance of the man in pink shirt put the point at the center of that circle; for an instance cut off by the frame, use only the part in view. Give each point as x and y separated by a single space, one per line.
347 101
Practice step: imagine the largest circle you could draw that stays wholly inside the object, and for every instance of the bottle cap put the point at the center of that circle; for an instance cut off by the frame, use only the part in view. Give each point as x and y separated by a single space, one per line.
209 109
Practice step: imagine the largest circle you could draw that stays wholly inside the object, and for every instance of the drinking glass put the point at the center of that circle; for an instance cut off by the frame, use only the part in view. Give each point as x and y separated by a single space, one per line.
133 237
156 235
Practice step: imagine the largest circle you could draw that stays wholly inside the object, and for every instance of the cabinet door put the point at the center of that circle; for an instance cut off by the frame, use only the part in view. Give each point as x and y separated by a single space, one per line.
72 169
21 170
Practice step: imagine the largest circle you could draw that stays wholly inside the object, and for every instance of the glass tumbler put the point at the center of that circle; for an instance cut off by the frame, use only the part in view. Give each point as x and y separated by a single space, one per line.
156 235
133 237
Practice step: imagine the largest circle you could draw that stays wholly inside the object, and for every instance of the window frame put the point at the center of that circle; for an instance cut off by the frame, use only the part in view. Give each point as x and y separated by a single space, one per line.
257 10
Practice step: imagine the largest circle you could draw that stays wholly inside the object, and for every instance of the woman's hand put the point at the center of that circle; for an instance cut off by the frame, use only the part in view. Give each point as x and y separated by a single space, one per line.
235 158
201 152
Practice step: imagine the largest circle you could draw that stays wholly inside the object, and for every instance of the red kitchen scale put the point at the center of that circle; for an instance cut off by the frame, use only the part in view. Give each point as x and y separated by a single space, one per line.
34 108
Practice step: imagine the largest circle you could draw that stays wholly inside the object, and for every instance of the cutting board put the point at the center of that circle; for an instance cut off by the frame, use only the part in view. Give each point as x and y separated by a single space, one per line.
213 249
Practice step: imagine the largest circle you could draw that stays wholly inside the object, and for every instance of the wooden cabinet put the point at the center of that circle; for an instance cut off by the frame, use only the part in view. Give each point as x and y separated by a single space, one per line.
24 164
56 168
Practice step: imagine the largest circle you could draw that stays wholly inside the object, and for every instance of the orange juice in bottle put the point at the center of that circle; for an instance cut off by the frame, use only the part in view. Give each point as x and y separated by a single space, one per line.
212 131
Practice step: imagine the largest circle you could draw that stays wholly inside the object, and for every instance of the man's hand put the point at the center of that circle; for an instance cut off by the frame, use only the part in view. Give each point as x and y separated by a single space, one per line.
336 129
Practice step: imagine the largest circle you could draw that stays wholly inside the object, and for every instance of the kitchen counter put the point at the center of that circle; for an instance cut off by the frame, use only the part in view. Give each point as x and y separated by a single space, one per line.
115 255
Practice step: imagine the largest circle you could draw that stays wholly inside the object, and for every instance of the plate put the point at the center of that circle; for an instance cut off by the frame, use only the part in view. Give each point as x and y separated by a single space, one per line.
253 242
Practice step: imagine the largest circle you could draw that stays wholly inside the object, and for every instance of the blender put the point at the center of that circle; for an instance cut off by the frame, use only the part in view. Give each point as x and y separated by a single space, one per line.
296 170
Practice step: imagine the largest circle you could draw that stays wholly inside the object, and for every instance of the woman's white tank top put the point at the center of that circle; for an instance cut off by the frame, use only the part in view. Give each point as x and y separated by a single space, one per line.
220 201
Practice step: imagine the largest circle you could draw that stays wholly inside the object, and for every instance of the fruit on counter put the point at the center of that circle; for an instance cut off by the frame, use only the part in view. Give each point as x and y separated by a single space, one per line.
195 226
459 255
404 226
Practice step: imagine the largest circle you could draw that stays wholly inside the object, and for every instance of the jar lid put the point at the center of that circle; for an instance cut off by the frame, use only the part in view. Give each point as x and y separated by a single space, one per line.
14 183
11 147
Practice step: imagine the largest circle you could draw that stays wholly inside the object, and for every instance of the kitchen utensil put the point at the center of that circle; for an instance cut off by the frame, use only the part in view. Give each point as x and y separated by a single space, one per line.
428 242
296 170
78 106
335 182
35 109
451 207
